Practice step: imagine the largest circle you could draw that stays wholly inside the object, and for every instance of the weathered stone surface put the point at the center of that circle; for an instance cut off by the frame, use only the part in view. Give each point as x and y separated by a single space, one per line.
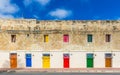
30 35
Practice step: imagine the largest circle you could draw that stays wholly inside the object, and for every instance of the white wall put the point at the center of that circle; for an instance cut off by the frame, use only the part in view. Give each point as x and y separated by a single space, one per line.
4 59
36 59
56 60
77 60
99 59
21 59
116 60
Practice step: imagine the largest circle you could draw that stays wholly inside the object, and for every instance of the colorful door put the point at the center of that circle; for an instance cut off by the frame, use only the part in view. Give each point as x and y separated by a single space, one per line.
28 60
90 61
13 60
66 60
108 60
46 60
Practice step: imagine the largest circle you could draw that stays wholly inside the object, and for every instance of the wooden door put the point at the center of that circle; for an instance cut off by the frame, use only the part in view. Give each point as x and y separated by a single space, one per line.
90 60
13 60
108 62
66 60
28 60
46 62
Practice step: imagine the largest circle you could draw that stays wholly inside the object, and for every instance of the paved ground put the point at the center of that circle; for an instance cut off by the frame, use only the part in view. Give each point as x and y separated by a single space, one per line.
60 70
74 70
38 73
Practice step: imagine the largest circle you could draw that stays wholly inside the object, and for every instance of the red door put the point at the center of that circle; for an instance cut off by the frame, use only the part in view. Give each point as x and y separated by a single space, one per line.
66 60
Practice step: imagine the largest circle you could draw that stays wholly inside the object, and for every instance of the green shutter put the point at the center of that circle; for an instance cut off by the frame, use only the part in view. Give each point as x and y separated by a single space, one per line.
89 37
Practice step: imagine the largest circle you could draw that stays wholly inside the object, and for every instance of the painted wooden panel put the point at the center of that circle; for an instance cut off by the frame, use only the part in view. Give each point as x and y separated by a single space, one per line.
90 60
66 60
66 38
89 38
108 37
46 38
46 60
108 62
108 55
90 55
13 60
28 60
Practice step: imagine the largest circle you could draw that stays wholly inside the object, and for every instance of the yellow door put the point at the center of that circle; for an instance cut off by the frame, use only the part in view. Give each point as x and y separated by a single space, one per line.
46 38
46 62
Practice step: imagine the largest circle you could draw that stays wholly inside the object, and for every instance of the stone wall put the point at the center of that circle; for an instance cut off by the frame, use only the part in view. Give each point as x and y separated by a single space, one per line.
30 35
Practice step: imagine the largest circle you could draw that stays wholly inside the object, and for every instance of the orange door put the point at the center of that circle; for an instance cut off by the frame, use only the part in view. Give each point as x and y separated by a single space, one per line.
108 62
13 60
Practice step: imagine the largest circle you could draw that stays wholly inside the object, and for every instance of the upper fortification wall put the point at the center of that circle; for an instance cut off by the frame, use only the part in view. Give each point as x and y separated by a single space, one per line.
79 25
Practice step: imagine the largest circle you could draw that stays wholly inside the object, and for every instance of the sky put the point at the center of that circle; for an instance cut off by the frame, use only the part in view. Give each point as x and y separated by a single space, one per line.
60 9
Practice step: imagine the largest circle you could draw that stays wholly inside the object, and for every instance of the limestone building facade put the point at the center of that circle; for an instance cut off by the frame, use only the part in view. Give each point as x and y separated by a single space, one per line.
30 34
29 43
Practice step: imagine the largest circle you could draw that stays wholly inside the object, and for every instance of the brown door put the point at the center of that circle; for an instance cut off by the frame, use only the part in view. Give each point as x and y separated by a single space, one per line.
108 62
13 60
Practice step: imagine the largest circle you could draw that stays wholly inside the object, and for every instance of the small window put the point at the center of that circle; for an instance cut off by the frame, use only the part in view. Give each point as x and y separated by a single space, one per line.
46 54
27 35
46 38
108 37
90 55
13 38
89 38
66 38
108 55
28 55
66 55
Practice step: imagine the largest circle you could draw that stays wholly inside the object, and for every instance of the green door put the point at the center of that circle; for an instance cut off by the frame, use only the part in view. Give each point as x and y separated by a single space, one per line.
90 60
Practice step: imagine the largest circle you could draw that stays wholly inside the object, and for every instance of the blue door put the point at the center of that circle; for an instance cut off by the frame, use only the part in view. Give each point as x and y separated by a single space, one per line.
28 60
